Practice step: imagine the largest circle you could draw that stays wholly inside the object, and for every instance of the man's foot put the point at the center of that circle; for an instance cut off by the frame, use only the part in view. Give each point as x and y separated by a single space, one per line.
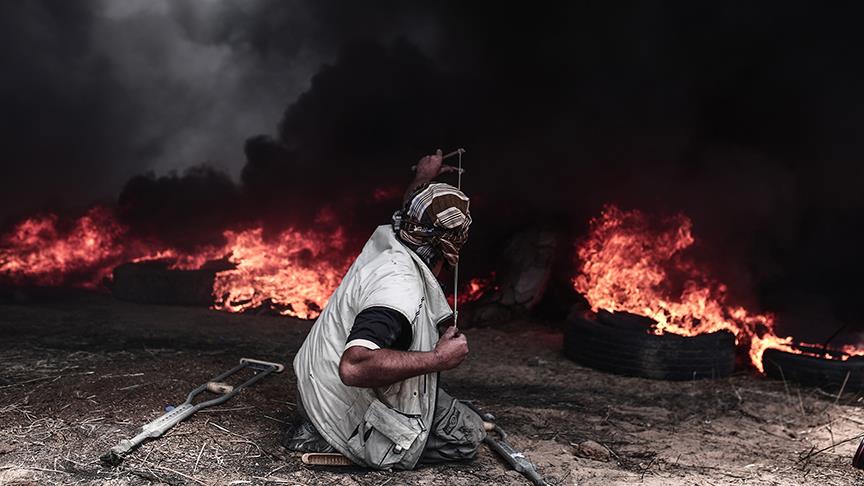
301 436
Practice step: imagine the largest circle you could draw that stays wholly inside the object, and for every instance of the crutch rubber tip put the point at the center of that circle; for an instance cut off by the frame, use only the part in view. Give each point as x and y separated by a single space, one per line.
111 459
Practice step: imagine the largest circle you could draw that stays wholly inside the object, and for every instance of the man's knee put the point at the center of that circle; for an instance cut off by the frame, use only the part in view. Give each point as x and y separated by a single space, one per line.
456 434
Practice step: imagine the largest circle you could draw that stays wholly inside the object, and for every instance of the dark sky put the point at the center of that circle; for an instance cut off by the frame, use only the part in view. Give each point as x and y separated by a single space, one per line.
745 115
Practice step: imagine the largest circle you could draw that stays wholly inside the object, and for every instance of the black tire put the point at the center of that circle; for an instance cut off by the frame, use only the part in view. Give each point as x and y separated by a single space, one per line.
152 282
828 374
635 352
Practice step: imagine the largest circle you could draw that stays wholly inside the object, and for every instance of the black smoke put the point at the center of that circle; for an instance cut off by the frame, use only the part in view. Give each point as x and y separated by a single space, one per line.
742 115
183 211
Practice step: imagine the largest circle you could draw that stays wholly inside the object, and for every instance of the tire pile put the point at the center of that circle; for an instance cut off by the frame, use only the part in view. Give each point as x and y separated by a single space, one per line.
620 343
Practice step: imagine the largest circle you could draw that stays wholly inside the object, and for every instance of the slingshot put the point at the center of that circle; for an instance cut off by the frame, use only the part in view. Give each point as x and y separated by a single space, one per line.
459 171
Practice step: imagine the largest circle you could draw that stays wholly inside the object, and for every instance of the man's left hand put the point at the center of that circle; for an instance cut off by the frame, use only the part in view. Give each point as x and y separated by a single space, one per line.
431 166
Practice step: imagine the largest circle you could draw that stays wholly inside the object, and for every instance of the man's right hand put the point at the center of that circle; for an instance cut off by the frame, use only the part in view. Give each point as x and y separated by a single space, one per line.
452 349
374 368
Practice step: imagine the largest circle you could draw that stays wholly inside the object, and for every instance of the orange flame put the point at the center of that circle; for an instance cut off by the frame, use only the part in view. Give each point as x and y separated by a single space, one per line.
38 251
473 289
629 263
294 272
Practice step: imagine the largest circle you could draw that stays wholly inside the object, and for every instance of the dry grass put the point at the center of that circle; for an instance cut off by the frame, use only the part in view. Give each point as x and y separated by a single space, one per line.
87 372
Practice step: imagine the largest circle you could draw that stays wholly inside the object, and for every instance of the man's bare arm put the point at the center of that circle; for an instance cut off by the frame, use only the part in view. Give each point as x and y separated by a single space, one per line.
367 368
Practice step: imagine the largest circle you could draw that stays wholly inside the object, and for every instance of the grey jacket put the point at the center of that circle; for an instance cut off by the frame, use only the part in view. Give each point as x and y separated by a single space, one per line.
379 428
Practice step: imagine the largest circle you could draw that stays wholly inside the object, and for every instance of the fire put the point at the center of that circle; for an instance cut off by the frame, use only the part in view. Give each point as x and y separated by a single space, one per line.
474 289
633 264
184 261
39 251
294 272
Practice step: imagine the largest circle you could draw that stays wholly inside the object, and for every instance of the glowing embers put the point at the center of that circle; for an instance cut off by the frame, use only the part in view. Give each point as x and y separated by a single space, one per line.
630 262
42 251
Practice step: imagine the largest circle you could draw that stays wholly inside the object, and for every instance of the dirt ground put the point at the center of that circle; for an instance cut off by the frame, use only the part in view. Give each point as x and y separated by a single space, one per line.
78 373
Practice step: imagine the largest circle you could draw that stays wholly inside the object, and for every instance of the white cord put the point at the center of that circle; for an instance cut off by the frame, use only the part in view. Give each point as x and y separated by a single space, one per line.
456 267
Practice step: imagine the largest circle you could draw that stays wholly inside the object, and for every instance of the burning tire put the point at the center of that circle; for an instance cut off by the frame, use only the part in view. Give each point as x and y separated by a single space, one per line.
623 345
828 374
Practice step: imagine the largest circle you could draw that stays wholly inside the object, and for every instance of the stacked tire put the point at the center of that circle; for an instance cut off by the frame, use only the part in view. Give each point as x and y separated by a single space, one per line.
622 344
153 282
829 374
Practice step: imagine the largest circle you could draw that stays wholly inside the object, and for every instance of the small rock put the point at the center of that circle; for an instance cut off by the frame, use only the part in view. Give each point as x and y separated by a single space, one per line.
536 361
592 450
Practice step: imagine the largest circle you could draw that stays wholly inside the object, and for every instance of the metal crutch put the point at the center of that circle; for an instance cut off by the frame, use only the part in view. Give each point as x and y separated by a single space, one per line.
161 425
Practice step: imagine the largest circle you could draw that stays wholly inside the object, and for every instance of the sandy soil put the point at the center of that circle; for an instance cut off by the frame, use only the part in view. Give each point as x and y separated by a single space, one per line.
79 373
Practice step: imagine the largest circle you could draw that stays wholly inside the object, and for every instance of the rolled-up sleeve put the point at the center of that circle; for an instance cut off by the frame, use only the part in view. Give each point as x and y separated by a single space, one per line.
380 327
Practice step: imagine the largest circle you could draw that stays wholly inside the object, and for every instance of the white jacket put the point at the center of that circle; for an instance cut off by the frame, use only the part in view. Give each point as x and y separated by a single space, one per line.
379 428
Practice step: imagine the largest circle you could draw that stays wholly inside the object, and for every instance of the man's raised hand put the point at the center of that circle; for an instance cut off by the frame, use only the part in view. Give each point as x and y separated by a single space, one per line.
431 166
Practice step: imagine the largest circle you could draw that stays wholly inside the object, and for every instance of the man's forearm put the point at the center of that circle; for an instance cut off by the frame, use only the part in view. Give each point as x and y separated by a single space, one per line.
368 368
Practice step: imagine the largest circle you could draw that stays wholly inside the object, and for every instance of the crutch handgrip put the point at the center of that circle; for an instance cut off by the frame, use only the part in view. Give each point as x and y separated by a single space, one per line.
219 387
257 363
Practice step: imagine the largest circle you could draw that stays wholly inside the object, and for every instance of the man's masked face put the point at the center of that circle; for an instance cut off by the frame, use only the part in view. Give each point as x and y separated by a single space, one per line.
434 223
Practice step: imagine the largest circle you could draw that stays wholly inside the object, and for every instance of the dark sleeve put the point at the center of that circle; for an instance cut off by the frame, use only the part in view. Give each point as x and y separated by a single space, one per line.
383 326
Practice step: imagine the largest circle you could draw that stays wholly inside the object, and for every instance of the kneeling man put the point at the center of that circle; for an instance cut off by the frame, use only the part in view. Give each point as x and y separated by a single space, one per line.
367 374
